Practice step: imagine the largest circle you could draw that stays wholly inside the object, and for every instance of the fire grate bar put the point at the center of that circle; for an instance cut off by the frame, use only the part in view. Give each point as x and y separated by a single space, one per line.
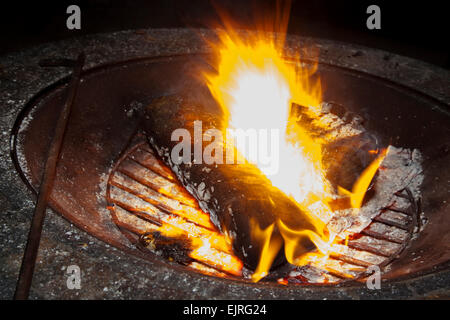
381 236
391 223
364 247
143 195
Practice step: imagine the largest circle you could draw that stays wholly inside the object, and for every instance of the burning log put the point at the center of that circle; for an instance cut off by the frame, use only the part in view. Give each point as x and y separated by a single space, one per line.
347 149
239 198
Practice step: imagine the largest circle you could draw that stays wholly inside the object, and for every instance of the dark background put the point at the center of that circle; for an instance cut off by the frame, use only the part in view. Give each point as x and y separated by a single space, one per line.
416 29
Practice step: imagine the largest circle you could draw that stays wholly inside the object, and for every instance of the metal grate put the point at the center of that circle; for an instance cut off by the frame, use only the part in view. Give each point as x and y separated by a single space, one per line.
143 194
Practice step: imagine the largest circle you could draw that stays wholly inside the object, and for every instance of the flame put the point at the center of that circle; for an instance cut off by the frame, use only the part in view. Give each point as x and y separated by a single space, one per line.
256 87
362 184
269 249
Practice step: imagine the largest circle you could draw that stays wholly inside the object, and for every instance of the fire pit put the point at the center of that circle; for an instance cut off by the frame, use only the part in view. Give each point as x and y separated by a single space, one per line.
139 210
106 160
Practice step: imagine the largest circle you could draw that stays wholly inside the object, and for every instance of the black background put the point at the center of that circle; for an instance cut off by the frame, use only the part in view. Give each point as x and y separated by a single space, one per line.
416 29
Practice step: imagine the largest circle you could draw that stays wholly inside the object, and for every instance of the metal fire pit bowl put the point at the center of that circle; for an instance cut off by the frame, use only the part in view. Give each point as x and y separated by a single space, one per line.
404 102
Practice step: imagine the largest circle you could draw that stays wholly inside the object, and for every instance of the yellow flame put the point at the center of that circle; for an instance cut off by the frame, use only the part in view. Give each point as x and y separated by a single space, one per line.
269 250
293 241
256 87
362 184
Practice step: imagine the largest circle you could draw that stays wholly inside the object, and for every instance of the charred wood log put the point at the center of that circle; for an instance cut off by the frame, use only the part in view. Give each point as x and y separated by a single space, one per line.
237 196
